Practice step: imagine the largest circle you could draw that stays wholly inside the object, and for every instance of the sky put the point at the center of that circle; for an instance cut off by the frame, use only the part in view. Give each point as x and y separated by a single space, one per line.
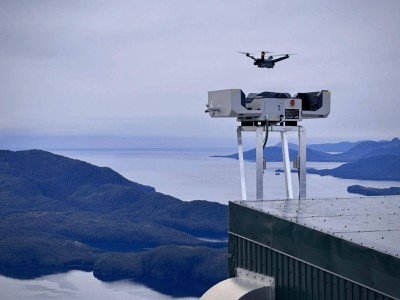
128 73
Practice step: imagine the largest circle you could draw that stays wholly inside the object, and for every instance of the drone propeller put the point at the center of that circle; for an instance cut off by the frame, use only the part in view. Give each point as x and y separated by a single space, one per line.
246 53
252 53
283 54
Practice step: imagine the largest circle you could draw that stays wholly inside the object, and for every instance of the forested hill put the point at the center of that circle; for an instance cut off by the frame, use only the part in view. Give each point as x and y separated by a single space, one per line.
57 176
58 213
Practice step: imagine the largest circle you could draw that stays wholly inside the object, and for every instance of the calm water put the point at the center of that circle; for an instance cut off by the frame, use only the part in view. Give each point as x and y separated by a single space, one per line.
187 175
75 285
194 175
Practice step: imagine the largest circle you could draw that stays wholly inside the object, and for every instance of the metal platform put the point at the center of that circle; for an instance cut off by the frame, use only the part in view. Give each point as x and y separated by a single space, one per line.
320 248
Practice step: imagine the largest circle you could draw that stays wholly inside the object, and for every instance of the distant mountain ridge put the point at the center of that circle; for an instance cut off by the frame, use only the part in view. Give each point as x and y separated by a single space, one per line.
334 147
384 167
371 148
58 213
360 150
327 147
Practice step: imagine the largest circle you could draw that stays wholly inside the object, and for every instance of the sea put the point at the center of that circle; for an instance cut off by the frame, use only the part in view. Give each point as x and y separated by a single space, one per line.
187 174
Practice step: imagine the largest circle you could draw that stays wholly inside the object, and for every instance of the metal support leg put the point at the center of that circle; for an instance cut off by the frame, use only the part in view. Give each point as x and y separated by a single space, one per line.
303 160
259 163
241 162
300 163
286 164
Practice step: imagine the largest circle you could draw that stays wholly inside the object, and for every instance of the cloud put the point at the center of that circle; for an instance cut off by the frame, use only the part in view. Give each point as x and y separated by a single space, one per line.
145 67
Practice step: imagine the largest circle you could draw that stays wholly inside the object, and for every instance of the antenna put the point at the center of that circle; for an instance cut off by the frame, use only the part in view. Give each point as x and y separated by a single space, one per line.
270 112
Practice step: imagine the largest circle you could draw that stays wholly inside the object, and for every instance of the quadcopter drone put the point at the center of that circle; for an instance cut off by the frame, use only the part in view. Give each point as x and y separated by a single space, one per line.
268 62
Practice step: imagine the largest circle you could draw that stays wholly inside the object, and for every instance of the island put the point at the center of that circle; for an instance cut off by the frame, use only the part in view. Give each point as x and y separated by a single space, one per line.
369 191
58 214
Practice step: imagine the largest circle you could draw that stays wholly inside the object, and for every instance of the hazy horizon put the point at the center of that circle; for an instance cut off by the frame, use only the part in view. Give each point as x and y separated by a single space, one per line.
47 142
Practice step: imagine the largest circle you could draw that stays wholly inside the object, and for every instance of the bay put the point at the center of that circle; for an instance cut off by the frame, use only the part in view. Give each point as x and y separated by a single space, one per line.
192 174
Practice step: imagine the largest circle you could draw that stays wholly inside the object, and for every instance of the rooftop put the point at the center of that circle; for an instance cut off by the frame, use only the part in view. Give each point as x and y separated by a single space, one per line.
373 222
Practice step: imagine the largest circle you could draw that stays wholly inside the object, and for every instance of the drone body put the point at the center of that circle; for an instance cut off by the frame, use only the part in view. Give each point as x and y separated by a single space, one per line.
268 62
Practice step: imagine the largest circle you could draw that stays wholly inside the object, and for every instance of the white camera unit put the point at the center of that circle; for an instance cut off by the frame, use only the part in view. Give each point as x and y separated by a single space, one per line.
268 106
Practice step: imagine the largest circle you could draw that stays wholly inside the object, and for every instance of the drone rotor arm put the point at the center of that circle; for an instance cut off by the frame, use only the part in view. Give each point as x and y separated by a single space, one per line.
251 56
248 55
280 58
